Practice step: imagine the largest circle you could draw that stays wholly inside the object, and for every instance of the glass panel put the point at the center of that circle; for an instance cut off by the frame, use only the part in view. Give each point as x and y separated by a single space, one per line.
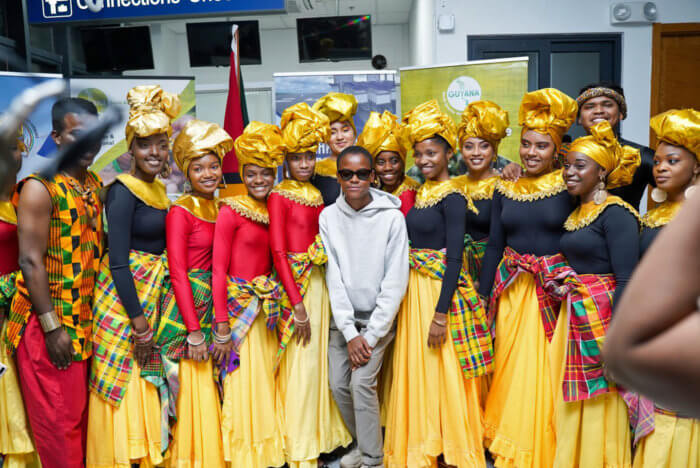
41 38
532 66
259 103
571 71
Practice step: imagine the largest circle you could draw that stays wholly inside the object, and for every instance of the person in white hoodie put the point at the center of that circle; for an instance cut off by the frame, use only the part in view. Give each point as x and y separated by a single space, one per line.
366 240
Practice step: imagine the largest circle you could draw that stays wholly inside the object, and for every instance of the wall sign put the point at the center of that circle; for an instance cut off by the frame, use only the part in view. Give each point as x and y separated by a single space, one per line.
66 11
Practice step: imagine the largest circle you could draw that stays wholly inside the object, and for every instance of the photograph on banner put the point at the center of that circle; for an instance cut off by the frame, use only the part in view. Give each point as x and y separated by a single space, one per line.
374 91
503 81
36 130
114 158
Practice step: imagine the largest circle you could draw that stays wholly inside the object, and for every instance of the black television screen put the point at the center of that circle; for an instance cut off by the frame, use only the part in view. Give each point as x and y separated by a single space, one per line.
209 44
114 48
334 38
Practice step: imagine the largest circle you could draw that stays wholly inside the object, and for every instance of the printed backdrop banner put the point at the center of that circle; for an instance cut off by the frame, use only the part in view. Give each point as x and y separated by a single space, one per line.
374 90
503 81
37 128
113 157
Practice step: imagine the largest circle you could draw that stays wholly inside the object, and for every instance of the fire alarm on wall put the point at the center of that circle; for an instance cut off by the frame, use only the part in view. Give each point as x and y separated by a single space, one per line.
633 12
446 23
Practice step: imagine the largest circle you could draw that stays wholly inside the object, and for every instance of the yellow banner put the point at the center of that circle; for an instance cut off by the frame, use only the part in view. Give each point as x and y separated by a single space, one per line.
503 81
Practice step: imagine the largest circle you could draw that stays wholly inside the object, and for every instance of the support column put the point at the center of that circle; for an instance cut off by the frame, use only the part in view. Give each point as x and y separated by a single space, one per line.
421 31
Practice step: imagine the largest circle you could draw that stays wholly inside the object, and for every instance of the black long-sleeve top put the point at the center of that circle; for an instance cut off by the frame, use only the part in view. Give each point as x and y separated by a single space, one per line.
647 237
441 226
328 186
133 225
643 176
610 244
478 224
528 227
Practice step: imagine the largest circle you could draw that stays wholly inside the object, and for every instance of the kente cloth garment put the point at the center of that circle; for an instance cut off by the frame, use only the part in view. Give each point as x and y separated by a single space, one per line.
71 260
301 264
544 270
467 318
474 251
244 299
113 347
8 288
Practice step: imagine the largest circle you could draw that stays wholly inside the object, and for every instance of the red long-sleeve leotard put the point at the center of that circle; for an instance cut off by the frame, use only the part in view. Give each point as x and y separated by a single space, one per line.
293 228
241 249
189 242
408 199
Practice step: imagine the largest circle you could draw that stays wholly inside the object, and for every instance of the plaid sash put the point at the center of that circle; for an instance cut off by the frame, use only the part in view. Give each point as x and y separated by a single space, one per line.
111 328
467 318
474 251
544 269
8 288
641 414
244 297
301 264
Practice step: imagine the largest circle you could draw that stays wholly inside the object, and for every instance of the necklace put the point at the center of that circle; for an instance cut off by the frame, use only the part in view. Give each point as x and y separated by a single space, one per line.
86 194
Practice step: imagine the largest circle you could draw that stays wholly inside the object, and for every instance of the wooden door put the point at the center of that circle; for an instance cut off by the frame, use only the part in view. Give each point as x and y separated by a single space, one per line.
675 68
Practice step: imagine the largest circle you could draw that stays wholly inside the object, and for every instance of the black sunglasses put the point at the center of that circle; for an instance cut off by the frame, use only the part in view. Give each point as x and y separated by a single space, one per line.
362 174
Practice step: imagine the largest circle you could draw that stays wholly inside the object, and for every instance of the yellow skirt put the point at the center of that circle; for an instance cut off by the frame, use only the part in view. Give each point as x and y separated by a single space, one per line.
519 429
15 436
433 409
310 420
118 437
197 435
675 442
251 430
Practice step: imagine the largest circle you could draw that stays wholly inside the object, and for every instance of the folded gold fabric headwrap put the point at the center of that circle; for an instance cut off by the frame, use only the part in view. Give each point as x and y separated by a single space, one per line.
607 92
548 111
383 132
199 138
303 128
150 113
485 120
338 107
602 146
427 120
260 144
679 128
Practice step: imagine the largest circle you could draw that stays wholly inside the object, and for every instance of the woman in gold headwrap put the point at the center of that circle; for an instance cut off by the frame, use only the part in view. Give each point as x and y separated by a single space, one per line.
527 219
340 109
675 440
483 126
387 142
246 293
185 333
310 418
434 406
124 420
601 245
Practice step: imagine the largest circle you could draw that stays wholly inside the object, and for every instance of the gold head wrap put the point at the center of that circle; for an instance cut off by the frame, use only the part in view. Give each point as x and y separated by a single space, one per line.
602 146
338 107
303 128
679 128
260 144
426 121
199 138
548 111
485 120
150 113
383 132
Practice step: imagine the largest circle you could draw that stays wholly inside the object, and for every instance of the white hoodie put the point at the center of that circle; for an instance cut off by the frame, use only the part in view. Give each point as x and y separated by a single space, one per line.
367 271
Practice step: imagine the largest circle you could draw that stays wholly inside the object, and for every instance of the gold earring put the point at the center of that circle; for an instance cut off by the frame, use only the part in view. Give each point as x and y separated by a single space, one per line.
601 194
658 195
166 171
132 168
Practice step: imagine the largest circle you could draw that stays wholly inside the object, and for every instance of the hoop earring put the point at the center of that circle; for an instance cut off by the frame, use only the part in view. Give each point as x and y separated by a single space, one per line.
691 188
166 171
658 195
601 194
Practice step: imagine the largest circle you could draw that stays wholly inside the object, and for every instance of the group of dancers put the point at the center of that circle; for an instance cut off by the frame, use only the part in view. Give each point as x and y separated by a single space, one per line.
348 306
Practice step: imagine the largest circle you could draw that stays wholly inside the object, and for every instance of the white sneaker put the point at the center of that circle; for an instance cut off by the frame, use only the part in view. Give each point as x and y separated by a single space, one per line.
373 466
352 459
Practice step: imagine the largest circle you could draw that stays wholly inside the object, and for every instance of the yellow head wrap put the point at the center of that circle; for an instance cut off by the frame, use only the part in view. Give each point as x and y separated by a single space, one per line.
303 128
199 138
384 133
260 144
548 111
150 113
602 146
679 128
20 139
485 120
426 121
338 107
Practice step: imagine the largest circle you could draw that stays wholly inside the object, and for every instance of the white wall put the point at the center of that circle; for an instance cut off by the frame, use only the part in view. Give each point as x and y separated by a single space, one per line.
567 16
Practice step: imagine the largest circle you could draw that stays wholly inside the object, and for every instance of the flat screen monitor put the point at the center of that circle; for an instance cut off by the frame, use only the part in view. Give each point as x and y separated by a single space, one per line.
334 38
114 48
209 43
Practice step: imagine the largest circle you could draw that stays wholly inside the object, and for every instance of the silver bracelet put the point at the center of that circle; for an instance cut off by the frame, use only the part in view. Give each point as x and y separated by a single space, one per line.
204 339
221 339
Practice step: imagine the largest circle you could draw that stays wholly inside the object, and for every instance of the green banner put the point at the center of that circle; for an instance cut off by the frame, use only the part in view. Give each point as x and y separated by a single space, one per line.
503 81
